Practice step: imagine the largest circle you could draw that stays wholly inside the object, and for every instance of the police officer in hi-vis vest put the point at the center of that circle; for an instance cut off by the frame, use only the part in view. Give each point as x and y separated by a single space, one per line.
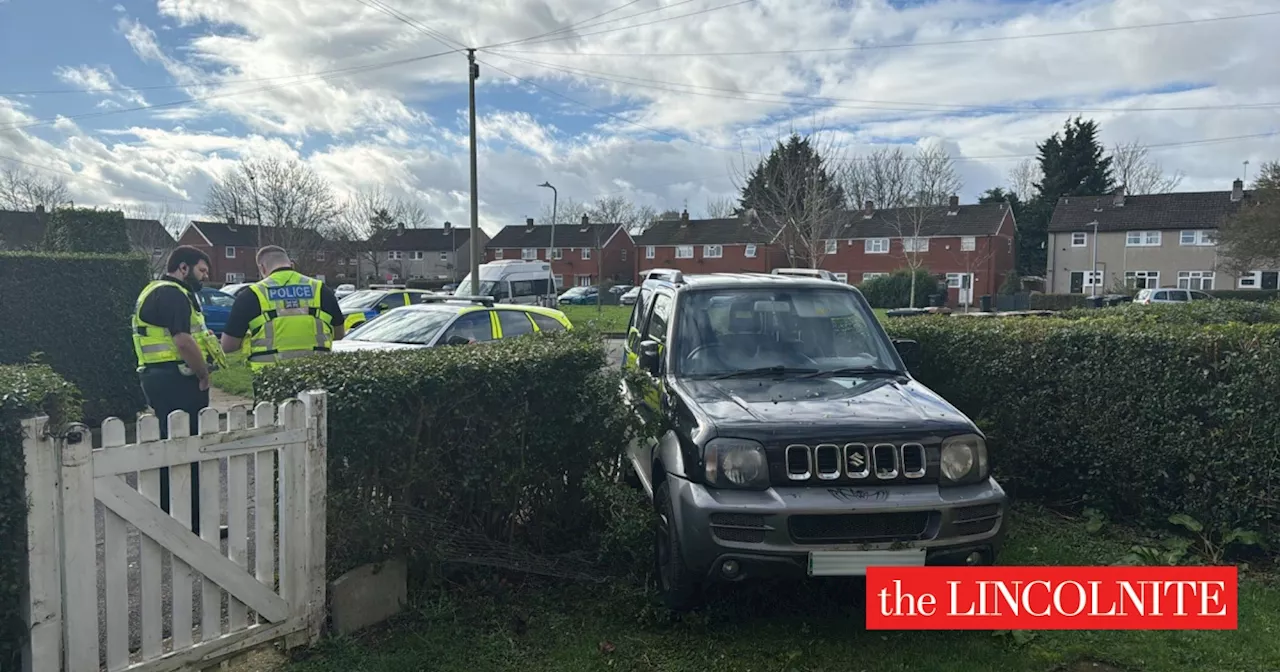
176 352
286 315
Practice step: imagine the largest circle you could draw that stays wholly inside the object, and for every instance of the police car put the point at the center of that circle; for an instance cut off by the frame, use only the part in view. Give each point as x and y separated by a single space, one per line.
366 304
451 320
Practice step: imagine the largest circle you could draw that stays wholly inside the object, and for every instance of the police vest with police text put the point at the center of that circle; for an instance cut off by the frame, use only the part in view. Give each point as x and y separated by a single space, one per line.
291 323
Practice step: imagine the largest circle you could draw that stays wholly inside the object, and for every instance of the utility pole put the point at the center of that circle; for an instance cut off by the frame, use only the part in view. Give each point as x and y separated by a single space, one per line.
551 252
473 75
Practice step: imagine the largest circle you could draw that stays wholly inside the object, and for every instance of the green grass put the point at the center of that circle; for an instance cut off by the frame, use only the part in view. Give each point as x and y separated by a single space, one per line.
610 319
236 379
814 626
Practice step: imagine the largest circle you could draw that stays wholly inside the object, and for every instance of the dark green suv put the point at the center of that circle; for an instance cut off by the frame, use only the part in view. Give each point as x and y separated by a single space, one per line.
792 441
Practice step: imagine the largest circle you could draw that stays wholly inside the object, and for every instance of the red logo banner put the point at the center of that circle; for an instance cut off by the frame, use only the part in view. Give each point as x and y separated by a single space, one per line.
1051 598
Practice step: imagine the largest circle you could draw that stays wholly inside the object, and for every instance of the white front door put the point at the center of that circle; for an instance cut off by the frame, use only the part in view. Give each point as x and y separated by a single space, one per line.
963 282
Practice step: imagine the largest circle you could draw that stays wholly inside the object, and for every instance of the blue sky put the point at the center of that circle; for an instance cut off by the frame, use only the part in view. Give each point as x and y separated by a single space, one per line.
656 117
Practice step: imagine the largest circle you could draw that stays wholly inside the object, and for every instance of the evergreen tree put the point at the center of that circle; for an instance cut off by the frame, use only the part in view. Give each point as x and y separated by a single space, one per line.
1072 163
794 195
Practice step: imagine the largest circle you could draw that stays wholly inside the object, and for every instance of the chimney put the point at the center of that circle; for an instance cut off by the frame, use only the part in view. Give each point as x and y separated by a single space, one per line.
231 221
448 226
585 220
955 203
1119 201
400 229
40 209
684 215
1237 190
867 208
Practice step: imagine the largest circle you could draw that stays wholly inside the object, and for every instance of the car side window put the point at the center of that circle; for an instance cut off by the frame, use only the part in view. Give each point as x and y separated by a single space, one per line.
475 327
637 317
1161 296
545 324
658 321
393 299
514 323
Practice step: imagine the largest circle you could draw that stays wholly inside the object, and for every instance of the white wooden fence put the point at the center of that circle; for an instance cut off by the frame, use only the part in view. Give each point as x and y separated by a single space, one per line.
115 583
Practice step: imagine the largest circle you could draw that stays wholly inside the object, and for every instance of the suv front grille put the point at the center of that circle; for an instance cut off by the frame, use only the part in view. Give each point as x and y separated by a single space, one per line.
861 463
859 527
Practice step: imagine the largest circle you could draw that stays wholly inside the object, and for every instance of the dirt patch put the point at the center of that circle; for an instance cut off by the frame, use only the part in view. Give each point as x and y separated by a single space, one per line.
265 659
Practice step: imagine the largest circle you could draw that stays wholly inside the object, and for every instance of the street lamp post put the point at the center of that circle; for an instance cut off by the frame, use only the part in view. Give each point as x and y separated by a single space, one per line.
551 251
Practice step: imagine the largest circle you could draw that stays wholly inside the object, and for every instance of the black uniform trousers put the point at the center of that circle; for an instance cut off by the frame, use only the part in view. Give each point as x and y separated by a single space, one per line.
167 390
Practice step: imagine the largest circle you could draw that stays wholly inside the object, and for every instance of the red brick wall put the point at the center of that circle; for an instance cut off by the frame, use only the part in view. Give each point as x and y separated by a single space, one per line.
245 261
616 262
732 259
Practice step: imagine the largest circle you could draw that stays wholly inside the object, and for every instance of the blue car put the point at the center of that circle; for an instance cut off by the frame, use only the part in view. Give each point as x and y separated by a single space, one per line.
216 306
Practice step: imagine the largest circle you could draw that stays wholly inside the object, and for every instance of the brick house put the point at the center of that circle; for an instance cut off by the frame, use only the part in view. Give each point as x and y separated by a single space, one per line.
24 230
584 252
441 254
730 245
972 245
232 249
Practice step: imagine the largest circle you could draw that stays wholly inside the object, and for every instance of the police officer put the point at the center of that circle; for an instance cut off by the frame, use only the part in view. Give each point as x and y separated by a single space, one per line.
286 315
176 352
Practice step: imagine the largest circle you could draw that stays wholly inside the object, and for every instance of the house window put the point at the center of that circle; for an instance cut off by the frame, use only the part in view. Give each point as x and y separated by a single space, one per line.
586 253
1260 280
842 277
1202 280
583 280
712 251
749 251
419 255
648 251
231 252
968 244
342 262
395 255
1142 279
831 246
1198 237
319 255
623 254
915 244
529 253
559 281
872 276
1079 239
497 254
875 246
1142 239
155 251
234 278
684 252
555 253
353 261
444 256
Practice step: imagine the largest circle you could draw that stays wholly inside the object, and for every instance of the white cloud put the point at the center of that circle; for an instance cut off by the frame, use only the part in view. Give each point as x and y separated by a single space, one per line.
253 65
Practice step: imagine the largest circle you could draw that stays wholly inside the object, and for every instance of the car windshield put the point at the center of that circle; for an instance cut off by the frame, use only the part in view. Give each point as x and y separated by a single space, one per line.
415 327
361 300
809 330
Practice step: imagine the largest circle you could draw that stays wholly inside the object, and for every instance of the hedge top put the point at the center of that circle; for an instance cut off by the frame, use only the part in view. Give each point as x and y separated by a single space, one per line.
30 390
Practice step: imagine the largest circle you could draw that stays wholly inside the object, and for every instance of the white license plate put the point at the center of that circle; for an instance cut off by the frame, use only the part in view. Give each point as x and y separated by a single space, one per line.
855 563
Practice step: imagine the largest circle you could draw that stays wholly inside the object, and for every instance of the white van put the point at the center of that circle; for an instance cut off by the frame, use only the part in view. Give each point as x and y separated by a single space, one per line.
512 281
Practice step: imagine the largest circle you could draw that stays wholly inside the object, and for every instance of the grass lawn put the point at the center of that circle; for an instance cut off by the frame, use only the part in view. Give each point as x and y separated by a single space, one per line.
790 627
237 379
614 319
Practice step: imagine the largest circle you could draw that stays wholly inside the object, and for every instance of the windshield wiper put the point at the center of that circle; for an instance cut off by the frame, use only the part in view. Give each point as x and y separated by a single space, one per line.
856 371
763 370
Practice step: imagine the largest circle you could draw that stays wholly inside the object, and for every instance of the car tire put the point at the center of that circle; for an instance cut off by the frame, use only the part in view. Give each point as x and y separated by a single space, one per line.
678 588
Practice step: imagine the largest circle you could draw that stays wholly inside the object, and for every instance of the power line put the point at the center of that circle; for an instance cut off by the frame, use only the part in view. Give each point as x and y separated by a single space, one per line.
579 24
230 94
636 25
859 104
901 45
413 23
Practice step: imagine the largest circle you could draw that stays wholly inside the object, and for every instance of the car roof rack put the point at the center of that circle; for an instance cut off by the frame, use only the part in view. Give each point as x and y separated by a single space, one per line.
486 301
388 286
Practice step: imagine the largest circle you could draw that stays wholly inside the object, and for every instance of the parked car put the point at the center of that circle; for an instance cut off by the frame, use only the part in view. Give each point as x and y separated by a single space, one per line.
1150 296
619 289
368 303
216 306
629 298
794 441
579 296
344 290
234 288
449 321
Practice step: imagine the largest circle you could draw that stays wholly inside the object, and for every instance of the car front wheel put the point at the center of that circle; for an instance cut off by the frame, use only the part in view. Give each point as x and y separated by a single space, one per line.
677 586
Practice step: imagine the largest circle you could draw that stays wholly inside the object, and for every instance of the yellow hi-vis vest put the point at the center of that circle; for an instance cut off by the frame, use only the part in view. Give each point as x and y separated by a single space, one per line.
291 324
154 344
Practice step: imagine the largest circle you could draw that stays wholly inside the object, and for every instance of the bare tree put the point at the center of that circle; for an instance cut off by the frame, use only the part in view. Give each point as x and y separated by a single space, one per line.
287 198
973 261
721 208
931 180
567 211
1134 168
22 189
1250 239
364 221
156 242
620 210
1023 179
881 177
793 194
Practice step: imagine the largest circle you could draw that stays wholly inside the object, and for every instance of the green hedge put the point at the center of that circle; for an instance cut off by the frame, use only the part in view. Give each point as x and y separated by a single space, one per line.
1141 421
73 310
1256 295
25 392
894 290
1058 301
431 446
86 230
1196 312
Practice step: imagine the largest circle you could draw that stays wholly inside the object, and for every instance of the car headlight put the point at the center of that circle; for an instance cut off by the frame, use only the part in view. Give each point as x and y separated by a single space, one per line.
736 463
963 459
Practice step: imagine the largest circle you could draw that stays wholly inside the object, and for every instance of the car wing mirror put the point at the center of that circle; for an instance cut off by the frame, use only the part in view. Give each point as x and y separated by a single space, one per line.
648 356
908 350
456 340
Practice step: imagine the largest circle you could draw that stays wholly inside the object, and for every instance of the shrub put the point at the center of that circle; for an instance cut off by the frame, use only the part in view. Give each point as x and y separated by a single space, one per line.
1141 421
1058 301
1256 295
1195 312
71 311
894 290
25 392
458 446
86 230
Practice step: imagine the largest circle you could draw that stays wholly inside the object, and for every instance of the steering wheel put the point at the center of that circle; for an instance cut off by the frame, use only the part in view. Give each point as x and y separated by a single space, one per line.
706 346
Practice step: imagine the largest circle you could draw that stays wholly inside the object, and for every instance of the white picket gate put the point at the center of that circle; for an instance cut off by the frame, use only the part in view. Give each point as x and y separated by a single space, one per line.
101 598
